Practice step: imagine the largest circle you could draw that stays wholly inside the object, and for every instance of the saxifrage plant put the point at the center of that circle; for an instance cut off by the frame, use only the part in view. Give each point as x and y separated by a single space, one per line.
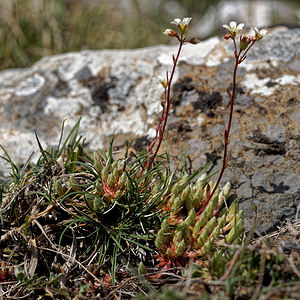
111 205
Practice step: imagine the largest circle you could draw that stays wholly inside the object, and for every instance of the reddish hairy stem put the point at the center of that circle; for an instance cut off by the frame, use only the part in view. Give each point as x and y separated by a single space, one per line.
227 131
164 116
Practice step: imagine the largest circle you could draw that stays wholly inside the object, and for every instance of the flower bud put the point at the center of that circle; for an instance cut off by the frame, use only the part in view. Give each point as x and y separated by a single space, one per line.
226 36
244 42
194 41
170 32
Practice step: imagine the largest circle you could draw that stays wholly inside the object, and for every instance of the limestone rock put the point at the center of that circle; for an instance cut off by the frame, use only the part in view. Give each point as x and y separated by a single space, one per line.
117 92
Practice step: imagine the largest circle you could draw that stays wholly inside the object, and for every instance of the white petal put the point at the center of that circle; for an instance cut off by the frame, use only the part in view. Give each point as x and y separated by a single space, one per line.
186 20
255 30
240 26
226 26
232 24
263 32
176 21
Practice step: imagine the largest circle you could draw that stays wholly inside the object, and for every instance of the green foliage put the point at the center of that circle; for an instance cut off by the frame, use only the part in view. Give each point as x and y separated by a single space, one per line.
194 224
99 199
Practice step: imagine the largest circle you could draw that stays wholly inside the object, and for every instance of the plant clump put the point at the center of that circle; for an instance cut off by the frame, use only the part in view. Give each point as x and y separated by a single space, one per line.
76 224
194 225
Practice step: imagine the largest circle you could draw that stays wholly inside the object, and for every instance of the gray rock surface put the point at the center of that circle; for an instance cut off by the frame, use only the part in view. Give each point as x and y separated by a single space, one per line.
117 92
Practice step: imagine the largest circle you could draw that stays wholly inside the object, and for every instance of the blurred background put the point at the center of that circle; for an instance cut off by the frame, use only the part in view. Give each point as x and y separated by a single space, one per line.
31 29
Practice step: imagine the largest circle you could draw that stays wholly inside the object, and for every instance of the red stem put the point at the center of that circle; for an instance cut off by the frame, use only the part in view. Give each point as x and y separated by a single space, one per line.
164 116
227 131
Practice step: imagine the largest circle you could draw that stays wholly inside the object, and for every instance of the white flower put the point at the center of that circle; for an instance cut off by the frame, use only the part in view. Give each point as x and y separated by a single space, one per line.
182 25
259 34
233 28
170 32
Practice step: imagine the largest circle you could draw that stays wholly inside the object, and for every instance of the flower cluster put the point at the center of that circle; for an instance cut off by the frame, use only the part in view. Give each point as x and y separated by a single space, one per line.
193 225
195 218
166 84
182 25
234 29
